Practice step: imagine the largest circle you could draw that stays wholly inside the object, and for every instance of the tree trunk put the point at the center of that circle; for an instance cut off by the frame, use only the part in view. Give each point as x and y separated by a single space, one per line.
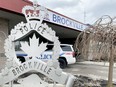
111 63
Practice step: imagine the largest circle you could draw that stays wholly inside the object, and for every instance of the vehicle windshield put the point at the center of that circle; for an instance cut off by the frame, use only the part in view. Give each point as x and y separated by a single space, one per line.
18 45
66 48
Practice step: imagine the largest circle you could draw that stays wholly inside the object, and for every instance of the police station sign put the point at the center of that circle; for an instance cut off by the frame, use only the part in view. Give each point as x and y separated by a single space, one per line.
64 21
14 68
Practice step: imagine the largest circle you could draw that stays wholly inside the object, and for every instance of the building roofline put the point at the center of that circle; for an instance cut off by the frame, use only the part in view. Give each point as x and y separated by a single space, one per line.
6 5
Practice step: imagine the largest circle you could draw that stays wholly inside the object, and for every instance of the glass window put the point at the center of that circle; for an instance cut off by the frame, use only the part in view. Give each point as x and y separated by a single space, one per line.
49 47
66 48
17 46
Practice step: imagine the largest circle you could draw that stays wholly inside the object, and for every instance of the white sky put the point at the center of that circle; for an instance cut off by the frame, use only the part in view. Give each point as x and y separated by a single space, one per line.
75 9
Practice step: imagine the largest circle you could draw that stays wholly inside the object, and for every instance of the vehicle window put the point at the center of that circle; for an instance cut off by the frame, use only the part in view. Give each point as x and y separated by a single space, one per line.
17 46
66 48
49 47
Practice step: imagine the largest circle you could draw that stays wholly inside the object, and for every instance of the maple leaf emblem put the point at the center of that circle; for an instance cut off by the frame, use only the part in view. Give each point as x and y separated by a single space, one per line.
34 49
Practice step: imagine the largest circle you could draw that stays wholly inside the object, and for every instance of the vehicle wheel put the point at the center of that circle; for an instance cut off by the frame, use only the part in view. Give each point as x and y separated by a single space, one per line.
62 63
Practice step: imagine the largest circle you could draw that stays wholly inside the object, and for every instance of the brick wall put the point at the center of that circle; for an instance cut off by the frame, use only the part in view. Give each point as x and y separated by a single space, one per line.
3 35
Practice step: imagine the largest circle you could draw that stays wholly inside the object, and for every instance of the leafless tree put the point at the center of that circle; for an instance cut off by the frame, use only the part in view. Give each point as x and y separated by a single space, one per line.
98 42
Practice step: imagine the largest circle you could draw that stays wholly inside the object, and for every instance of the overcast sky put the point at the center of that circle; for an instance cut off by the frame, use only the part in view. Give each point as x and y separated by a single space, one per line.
87 11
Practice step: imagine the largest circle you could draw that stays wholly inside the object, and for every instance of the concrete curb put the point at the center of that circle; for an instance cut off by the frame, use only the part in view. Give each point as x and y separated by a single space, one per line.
97 63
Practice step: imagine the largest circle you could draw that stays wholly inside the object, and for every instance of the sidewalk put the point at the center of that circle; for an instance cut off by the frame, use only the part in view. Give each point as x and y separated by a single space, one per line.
50 85
97 63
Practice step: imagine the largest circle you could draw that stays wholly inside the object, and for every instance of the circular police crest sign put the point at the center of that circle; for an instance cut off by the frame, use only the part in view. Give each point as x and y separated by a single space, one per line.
33 48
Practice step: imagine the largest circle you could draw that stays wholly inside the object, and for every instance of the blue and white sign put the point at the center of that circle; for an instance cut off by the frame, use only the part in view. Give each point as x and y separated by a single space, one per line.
64 21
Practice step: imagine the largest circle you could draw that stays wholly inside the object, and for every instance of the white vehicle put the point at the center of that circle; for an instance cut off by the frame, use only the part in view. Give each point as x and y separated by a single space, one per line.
66 55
